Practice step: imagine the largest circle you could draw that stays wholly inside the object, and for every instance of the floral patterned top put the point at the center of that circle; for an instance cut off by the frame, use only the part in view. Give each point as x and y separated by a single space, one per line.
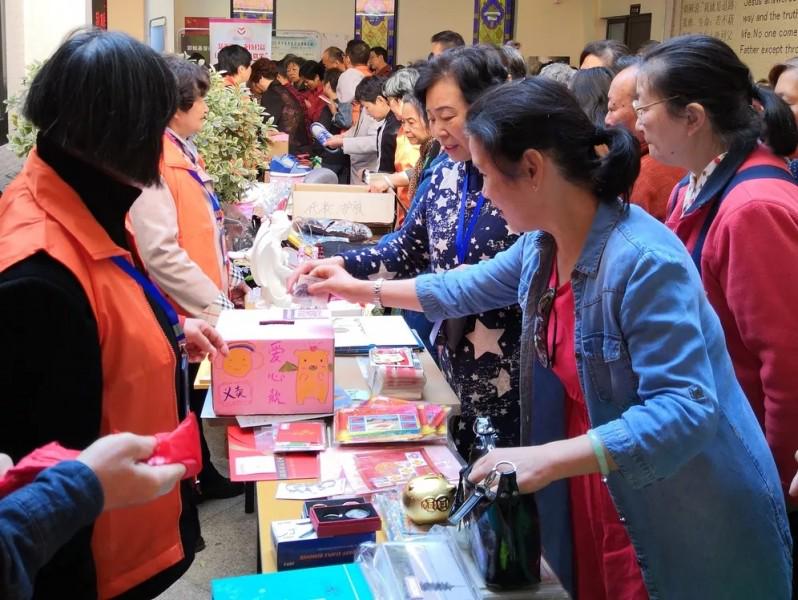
697 183
478 354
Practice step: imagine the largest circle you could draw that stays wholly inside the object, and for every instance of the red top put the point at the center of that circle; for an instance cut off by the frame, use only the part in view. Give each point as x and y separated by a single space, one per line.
749 267
654 185
605 564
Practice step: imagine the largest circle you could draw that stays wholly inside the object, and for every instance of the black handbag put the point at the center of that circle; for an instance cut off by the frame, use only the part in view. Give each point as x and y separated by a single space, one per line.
502 523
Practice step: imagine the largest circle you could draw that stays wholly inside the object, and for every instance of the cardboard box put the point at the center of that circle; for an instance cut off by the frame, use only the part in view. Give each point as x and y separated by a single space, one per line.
279 144
350 202
297 546
274 367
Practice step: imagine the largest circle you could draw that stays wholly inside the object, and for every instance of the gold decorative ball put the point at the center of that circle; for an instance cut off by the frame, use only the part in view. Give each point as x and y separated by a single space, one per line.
427 499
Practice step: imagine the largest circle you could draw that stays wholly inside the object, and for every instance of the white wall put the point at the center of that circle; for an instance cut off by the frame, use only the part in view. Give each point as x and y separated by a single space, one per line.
154 9
420 19
35 28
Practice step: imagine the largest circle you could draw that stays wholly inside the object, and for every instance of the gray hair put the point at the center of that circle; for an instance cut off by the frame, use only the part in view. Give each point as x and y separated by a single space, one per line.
558 72
400 83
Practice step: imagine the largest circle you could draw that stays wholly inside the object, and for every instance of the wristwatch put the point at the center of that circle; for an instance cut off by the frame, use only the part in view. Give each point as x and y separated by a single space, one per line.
376 293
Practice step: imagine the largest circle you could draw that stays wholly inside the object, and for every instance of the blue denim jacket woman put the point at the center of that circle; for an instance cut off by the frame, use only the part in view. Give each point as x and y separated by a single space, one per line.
691 475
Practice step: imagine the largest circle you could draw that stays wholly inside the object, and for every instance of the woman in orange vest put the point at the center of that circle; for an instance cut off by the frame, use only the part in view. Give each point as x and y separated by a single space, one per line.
179 230
89 345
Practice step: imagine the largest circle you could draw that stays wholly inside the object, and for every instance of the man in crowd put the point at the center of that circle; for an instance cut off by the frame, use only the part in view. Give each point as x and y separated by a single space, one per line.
656 180
443 40
333 58
378 62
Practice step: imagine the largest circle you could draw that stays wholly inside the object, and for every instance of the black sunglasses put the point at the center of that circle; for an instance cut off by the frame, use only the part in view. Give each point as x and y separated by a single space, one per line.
540 336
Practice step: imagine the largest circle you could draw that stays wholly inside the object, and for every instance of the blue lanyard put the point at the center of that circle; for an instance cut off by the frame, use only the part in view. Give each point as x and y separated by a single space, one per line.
463 237
149 288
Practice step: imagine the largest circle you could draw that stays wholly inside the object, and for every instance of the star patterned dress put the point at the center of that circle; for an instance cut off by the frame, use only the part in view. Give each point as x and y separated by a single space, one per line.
478 354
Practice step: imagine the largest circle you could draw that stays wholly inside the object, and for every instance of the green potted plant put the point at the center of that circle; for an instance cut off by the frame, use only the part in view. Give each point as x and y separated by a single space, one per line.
235 139
21 132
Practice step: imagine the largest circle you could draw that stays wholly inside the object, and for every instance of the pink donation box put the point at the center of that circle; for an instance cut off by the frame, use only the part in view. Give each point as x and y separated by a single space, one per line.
274 367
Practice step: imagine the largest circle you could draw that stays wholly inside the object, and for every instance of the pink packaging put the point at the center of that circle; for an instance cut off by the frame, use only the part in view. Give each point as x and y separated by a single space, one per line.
274 367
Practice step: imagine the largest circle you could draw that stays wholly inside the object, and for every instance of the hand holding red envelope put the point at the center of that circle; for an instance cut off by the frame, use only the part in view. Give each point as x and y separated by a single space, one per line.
179 446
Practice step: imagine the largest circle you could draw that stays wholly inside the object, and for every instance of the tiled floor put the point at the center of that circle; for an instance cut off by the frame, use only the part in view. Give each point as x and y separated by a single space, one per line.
229 533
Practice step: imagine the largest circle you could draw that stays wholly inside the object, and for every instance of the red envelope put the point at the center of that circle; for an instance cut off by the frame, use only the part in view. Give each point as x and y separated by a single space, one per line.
34 463
180 446
248 463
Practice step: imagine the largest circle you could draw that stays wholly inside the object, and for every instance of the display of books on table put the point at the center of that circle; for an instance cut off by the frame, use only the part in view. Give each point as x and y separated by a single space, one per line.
251 461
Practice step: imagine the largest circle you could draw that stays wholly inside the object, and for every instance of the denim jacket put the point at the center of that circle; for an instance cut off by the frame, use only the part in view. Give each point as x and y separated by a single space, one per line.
696 485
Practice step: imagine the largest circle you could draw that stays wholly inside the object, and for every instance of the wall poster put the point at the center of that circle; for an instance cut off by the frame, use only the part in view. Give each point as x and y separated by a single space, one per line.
494 21
375 24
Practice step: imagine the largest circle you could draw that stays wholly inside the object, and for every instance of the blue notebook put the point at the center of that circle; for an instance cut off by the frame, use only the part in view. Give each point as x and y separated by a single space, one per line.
336 582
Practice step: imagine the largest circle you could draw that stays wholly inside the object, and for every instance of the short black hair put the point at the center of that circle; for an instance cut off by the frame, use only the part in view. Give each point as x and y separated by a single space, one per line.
474 69
192 80
380 51
233 56
358 52
331 76
311 69
293 59
608 50
335 53
369 89
107 97
540 113
449 38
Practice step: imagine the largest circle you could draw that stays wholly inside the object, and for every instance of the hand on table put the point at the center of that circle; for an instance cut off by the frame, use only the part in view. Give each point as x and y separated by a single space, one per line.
335 141
306 267
202 340
126 481
379 185
531 463
238 294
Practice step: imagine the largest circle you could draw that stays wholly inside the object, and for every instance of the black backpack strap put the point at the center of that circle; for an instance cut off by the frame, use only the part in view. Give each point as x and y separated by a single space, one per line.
757 172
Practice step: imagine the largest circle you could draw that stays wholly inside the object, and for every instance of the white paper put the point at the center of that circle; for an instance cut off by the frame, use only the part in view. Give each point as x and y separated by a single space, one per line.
362 332
309 491
250 465
260 420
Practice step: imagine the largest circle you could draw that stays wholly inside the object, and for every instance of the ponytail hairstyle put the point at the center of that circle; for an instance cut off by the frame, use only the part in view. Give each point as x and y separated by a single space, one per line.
705 70
541 114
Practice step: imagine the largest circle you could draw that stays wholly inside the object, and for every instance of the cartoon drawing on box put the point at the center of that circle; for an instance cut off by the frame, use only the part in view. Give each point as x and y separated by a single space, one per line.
312 377
238 363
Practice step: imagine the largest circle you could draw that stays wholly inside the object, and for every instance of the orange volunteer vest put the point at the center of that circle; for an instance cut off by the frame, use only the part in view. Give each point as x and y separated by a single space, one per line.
40 212
198 232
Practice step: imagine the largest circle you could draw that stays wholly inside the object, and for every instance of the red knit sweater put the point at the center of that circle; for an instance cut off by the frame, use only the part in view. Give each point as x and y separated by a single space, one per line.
749 266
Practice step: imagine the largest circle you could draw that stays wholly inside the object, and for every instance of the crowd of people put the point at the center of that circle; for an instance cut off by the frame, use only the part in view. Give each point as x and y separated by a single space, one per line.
590 254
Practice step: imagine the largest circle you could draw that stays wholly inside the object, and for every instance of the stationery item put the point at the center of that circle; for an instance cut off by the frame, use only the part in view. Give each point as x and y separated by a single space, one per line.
344 519
337 582
396 524
274 366
251 462
297 545
428 568
384 419
396 372
307 491
300 436
503 527
357 335
339 502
